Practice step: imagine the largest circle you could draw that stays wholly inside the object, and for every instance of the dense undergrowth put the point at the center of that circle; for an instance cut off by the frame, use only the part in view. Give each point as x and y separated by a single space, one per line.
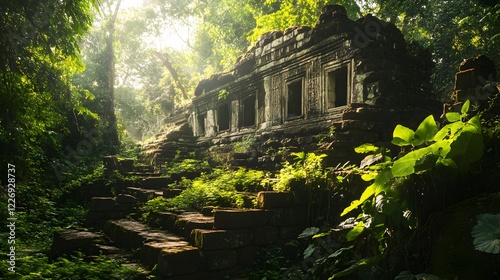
381 230
221 187
388 231
43 207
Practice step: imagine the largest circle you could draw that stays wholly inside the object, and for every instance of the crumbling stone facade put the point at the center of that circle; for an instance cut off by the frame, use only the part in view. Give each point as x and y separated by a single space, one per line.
357 76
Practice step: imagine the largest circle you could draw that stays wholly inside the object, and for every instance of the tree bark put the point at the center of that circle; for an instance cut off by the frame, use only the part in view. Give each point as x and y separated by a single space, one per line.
166 62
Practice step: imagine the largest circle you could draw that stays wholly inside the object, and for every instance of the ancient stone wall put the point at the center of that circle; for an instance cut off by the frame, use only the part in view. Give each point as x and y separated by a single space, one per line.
302 81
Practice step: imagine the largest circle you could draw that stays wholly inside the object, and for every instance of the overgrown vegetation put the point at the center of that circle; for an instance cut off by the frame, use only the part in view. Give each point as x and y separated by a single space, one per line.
385 221
220 188
60 86
73 267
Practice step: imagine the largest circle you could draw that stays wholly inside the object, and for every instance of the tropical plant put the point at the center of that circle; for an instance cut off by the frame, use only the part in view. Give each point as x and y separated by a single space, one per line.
486 233
307 170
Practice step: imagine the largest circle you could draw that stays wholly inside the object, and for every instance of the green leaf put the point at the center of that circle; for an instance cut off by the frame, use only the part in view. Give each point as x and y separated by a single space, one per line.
369 176
425 131
323 234
340 251
406 165
359 264
380 184
425 163
448 162
309 251
468 143
402 136
366 148
449 131
465 107
453 117
486 233
308 232
355 231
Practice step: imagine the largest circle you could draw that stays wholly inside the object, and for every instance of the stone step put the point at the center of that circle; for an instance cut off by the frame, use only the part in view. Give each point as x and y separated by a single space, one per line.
142 174
144 168
69 241
239 218
171 254
143 195
182 224
129 234
155 183
103 209
171 192
272 199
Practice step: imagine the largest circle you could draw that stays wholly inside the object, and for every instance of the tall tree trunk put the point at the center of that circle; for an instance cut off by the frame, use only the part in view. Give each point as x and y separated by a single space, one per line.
111 129
166 62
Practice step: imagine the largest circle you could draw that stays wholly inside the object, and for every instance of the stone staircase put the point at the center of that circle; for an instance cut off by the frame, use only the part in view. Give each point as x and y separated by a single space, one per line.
211 243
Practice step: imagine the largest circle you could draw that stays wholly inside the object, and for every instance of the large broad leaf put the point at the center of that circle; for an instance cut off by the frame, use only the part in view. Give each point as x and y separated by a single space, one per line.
486 233
453 117
355 232
340 251
379 185
406 165
425 131
309 251
369 191
402 136
468 141
366 148
308 232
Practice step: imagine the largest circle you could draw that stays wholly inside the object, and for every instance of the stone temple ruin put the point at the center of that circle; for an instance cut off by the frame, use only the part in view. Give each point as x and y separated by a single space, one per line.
293 85
349 82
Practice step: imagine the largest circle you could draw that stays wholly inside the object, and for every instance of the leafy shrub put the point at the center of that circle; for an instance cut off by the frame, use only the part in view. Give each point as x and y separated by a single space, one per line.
75 267
372 241
307 170
486 233
244 145
219 188
188 165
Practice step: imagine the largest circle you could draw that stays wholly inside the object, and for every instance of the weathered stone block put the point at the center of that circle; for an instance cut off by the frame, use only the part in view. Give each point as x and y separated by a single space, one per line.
67 241
110 163
237 218
287 216
271 199
164 220
144 195
126 165
126 199
102 204
222 239
132 234
178 261
355 124
151 251
155 183
187 222
170 193
218 260
265 235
